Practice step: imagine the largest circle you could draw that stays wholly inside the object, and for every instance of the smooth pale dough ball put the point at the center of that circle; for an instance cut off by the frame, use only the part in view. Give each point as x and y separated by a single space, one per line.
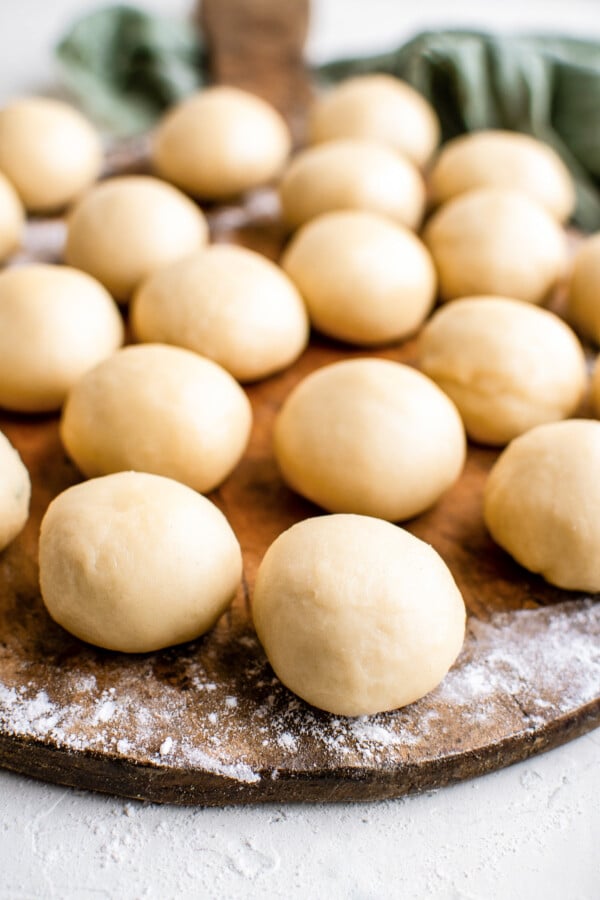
220 142
583 297
49 151
135 562
508 366
596 386
357 616
504 159
56 323
542 499
128 227
496 241
381 108
364 279
157 409
229 304
12 219
352 174
15 492
369 436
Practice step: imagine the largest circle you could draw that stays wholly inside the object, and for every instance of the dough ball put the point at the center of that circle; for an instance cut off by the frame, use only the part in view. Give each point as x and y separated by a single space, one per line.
504 159
229 304
157 409
379 107
357 616
56 323
135 562
507 365
583 299
596 386
542 499
369 436
220 142
496 241
127 227
352 174
364 279
15 492
49 151
12 219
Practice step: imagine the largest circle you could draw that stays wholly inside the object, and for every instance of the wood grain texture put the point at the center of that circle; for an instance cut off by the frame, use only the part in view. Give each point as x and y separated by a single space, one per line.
208 722
258 46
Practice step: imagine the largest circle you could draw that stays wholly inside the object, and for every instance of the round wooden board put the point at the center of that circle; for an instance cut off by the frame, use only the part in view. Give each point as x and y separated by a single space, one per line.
208 723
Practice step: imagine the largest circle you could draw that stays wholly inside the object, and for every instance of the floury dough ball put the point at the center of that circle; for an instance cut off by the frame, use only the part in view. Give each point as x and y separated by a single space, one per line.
134 562
357 616
542 499
583 298
56 323
352 174
364 279
381 108
504 159
127 227
157 409
221 142
15 492
507 365
229 304
49 151
12 219
369 436
496 241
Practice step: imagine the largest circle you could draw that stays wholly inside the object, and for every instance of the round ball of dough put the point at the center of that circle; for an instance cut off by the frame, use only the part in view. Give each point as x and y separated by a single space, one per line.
379 107
127 227
12 219
15 492
508 160
369 436
496 241
352 174
583 297
220 142
542 499
508 366
56 323
49 151
364 279
157 409
357 616
135 562
229 304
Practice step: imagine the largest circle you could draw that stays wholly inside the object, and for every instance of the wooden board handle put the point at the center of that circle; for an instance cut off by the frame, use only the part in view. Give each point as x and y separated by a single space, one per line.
258 45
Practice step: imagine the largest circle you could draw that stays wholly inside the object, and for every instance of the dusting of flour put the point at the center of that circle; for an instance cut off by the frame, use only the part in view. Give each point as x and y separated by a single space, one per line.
525 667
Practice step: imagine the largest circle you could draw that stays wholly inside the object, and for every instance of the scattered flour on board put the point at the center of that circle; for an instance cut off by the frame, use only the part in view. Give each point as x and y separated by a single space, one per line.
546 660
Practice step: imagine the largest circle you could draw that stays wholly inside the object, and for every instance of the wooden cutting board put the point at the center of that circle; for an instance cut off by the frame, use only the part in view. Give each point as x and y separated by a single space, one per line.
208 722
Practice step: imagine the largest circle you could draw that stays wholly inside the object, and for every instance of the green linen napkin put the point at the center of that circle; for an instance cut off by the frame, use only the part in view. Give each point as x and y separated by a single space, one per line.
126 66
547 86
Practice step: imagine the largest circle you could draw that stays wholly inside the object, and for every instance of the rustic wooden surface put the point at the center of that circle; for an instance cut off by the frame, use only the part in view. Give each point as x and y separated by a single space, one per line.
208 722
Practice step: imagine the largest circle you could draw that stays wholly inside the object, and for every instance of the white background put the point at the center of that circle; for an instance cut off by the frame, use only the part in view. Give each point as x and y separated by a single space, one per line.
530 831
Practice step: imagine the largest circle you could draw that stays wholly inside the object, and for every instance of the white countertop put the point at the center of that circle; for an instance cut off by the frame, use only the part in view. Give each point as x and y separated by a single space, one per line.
525 832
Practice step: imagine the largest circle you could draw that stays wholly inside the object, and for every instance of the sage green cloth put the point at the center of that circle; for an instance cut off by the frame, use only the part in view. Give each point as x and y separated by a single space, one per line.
125 66
547 86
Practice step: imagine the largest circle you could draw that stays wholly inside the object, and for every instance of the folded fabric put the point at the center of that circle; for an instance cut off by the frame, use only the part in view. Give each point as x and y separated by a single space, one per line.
126 66
546 86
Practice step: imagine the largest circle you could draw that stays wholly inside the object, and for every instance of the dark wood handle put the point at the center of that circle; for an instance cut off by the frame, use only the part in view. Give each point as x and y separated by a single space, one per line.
258 45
